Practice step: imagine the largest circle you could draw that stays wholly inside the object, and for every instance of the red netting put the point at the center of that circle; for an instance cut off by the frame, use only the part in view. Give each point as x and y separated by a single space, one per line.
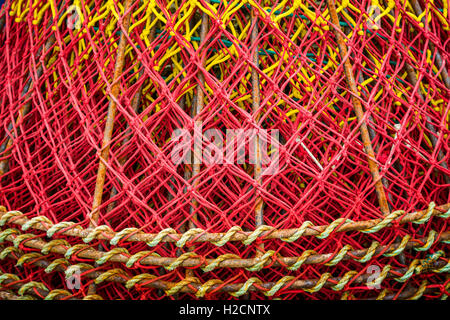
92 91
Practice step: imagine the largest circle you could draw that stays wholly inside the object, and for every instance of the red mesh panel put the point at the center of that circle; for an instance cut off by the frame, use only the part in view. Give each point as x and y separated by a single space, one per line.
92 92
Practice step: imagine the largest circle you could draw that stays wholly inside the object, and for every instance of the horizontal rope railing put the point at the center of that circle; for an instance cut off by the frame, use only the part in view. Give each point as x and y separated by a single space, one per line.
193 285
193 260
404 293
234 234
4 295
33 288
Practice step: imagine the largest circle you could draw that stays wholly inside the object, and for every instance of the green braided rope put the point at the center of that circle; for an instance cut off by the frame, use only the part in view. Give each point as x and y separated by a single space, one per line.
56 263
7 216
370 252
231 232
179 260
299 233
180 285
27 297
339 256
331 227
301 260
444 215
139 278
277 286
96 231
31 285
71 270
320 283
27 257
191 233
386 221
93 297
344 280
262 261
76 248
54 243
400 248
430 240
108 255
64 225
36 220
8 276
255 234
55 293
161 235
135 258
201 292
382 294
6 233
428 214
122 234
444 269
22 238
110 273
419 293
432 258
376 282
8 250
217 261
243 290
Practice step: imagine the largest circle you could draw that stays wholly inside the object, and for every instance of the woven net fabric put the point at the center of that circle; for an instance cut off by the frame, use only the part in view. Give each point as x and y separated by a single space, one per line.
91 93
